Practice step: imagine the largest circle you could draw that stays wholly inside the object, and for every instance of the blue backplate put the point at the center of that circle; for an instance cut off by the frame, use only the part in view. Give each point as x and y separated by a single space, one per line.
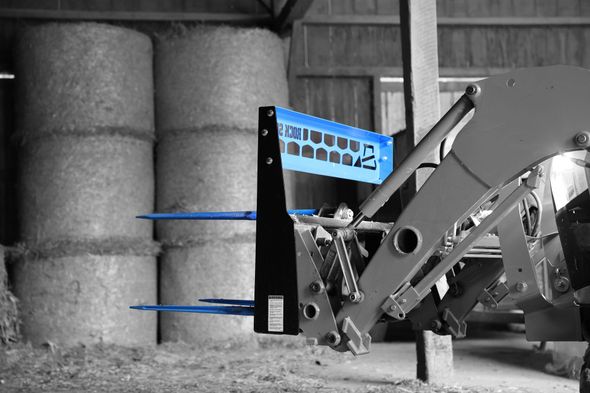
313 145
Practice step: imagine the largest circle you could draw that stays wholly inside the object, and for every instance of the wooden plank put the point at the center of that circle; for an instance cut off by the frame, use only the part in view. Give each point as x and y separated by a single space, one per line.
555 46
586 49
459 48
574 51
524 8
459 8
365 7
477 48
135 16
354 71
569 8
390 47
344 71
297 52
478 8
342 7
505 8
320 7
387 7
447 21
318 45
538 38
376 104
547 8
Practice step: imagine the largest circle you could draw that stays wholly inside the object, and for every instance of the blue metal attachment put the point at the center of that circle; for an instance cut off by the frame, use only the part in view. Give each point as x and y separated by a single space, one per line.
241 215
313 145
235 302
228 310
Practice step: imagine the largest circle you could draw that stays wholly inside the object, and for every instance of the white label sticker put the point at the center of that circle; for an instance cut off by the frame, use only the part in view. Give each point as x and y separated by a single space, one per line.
275 313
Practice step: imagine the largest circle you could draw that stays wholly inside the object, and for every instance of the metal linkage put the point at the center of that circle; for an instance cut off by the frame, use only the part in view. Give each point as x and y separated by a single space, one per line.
340 235
409 296
395 180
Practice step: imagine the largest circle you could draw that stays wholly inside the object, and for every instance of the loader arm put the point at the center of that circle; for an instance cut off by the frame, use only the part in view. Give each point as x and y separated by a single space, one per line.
521 119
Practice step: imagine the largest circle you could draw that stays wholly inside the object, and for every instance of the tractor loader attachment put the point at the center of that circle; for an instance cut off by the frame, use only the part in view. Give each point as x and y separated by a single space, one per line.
480 230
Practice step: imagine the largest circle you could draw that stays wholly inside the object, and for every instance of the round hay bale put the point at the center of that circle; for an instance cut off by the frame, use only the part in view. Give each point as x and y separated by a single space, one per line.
85 188
204 270
85 299
83 78
217 76
210 82
214 170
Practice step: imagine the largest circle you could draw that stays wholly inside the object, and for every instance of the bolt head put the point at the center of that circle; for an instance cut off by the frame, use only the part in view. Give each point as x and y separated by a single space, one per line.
316 287
471 90
435 325
270 113
333 338
521 286
356 297
393 307
264 132
582 139
268 160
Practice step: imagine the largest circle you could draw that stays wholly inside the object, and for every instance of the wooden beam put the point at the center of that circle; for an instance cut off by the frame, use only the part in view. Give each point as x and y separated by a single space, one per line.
135 16
391 20
291 11
421 97
360 71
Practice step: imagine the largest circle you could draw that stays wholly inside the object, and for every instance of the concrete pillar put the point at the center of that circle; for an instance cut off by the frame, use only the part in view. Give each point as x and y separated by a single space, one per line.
420 53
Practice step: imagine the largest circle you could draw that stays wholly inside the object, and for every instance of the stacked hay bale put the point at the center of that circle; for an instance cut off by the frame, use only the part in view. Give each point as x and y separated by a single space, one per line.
85 124
210 82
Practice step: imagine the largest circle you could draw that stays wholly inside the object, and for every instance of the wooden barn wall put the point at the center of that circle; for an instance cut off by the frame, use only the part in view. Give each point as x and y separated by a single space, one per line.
458 8
342 48
330 49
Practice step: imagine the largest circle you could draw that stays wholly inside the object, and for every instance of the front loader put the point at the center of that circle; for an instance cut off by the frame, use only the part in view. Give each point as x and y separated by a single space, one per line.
476 232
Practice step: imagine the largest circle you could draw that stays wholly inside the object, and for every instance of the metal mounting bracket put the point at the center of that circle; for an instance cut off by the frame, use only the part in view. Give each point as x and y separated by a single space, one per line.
456 327
490 297
358 343
402 302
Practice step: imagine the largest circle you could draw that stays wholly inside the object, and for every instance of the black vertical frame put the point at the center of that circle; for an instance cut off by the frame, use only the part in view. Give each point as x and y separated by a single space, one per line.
276 269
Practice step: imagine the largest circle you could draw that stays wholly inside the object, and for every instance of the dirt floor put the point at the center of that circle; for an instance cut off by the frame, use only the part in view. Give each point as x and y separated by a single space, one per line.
505 363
